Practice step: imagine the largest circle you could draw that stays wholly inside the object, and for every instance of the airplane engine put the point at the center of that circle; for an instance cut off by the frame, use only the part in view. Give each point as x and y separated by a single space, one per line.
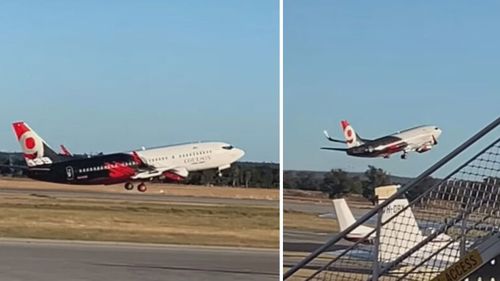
424 148
175 175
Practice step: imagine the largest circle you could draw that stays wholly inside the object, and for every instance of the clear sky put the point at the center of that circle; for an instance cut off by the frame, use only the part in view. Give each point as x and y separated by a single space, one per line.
117 75
386 66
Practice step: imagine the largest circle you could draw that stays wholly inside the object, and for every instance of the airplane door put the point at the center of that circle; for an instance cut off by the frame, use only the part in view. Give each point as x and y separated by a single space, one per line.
70 173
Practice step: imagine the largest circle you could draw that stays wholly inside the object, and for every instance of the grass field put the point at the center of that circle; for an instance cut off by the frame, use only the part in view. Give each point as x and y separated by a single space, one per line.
110 220
153 188
308 222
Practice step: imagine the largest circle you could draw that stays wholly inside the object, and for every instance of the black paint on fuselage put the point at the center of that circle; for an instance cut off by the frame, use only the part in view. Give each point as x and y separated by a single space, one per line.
368 149
93 170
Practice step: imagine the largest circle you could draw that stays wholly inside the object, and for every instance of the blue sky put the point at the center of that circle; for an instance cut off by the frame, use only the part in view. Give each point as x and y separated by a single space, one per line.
116 75
386 66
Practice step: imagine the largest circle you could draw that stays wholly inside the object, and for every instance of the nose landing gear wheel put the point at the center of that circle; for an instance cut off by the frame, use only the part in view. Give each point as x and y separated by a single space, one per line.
403 156
129 186
142 187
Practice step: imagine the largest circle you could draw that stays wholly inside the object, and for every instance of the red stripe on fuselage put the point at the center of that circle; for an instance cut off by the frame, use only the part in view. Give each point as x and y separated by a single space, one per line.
119 171
393 148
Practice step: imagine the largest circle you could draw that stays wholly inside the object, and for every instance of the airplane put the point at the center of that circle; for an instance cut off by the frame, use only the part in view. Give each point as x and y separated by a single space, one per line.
391 234
346 219
172 162
419 139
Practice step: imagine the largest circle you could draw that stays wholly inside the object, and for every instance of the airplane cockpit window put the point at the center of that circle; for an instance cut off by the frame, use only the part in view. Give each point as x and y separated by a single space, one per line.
228 147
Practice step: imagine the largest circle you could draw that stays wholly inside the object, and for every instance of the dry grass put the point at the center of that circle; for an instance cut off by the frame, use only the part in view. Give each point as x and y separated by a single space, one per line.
153 188
107 220
308 222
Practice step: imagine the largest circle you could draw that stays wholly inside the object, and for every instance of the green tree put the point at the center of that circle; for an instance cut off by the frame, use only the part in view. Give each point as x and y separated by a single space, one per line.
337 183
235 179
421 188
357 185
375 177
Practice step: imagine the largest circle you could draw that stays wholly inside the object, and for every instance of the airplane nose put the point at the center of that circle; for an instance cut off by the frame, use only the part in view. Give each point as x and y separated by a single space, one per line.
436 135
238 153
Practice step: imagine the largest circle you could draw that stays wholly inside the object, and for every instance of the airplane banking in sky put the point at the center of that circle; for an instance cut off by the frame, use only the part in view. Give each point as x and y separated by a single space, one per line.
172 162
419 139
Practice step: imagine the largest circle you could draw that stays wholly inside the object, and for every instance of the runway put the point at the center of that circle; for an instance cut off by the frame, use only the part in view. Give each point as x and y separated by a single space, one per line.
26 260
135 196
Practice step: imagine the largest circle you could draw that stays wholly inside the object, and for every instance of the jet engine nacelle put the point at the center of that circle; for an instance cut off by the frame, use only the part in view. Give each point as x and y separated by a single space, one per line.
424 148
175 174
224 167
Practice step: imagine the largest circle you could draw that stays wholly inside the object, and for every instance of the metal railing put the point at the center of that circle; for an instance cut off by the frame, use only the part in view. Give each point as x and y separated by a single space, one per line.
466 198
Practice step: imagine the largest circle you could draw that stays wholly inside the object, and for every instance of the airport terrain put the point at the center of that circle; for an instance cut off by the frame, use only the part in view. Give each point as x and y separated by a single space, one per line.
309 221
197 215
44 260
172 232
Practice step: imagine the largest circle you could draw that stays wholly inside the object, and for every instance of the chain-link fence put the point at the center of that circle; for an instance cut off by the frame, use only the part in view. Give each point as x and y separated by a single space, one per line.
417 240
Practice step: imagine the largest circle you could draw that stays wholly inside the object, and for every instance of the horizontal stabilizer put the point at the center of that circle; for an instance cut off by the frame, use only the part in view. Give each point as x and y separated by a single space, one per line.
334 148
16 167
332 139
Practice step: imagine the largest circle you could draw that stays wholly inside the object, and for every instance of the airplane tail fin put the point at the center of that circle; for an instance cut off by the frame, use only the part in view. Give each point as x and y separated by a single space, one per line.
346 219
394 240
36 151
351 137
344 214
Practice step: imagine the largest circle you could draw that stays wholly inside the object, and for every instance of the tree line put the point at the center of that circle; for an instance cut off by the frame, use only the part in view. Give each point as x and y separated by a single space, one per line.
338 183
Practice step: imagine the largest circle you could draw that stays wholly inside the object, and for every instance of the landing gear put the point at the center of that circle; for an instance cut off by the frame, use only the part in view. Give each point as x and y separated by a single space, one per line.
219 174
404 155
129 186
142 187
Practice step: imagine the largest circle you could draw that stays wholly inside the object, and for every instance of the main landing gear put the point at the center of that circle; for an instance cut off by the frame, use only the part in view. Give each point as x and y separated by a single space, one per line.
141 187
129 186
404 155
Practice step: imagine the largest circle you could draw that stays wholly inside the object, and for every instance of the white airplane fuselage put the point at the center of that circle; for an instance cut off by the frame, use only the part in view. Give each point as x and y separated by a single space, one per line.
419 139
192 156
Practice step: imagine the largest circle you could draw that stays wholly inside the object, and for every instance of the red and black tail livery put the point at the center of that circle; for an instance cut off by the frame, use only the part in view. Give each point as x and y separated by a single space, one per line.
36 151
351 137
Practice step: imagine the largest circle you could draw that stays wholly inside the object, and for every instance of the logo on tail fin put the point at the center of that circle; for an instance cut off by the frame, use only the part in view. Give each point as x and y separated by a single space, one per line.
349 134
35 150
31 144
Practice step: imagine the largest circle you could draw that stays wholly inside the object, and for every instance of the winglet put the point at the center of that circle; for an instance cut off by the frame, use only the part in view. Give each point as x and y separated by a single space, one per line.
325 132
65 151
137 159
332 139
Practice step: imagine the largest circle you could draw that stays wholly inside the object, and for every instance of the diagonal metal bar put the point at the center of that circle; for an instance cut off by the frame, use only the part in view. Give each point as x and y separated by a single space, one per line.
401 191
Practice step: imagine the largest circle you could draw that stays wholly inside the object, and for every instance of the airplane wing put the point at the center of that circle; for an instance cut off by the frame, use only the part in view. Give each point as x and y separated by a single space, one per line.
148 171
422 147
359 254
332 139
334 148
168 172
